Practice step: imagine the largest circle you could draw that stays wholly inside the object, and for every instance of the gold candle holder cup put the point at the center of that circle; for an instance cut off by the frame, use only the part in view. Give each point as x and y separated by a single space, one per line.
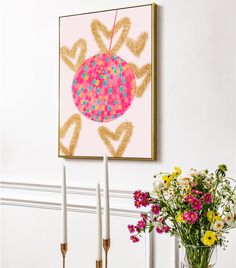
106 247
64 248
99 264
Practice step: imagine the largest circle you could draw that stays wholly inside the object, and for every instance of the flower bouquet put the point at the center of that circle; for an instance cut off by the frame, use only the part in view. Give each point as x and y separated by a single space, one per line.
198 208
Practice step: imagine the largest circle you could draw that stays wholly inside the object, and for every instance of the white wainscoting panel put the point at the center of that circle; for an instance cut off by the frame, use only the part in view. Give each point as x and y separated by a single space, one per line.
31 216
31 213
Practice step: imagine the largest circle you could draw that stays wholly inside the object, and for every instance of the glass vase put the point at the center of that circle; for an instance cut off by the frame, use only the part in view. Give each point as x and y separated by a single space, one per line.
199 256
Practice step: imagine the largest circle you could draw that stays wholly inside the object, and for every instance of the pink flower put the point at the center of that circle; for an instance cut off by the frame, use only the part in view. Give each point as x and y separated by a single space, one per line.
189 198
159 230
144 199
137 203
155 209
197 192
190 217
144 216
207 198
196 204
185 216
166 229
137 194
141 199
141 224
134 239
131 228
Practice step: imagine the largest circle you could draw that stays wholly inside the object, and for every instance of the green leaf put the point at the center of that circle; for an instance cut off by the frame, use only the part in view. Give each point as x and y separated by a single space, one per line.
151 228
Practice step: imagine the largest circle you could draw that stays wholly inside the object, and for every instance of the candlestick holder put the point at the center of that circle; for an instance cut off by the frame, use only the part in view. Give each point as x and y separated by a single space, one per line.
106 247
63 252
99 264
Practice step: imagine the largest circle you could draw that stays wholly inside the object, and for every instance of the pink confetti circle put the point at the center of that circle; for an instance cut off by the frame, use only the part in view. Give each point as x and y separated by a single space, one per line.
103 87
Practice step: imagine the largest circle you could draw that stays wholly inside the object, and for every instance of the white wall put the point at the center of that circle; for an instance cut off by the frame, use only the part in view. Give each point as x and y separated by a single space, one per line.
196 123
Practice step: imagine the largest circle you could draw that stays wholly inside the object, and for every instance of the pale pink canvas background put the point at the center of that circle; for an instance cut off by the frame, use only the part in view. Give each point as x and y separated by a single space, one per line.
90 144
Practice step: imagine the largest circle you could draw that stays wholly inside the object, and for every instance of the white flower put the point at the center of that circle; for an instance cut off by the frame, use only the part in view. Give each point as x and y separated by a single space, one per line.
203 173
158 185
229 219
218 225
184 181
209 176
193 172
208 180
219 235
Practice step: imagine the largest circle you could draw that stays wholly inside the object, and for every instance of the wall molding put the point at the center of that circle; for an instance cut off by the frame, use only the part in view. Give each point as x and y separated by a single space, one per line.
71 207
27 194
82 190
47 196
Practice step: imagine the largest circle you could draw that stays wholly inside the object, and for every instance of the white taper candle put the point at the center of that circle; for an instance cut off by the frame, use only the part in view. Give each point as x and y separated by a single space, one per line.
106 200
64 209
99 225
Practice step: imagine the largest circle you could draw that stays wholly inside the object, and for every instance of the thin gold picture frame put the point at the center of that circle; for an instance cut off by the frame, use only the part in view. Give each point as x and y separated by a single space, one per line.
153 89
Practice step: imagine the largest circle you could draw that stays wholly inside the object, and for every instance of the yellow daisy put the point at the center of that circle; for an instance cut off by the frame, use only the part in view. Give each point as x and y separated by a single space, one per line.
179 217
213 216
209 238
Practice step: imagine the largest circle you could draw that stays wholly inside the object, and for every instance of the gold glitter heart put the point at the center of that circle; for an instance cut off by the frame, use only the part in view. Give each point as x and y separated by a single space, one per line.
105 134
73 119
136 47
145 71
66 54
97 26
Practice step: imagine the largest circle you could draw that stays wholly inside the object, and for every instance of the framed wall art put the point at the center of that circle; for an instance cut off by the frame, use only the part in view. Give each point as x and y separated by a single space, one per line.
107 84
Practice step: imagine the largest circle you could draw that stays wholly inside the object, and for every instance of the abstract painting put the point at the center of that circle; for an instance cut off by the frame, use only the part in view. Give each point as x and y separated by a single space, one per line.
107 84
